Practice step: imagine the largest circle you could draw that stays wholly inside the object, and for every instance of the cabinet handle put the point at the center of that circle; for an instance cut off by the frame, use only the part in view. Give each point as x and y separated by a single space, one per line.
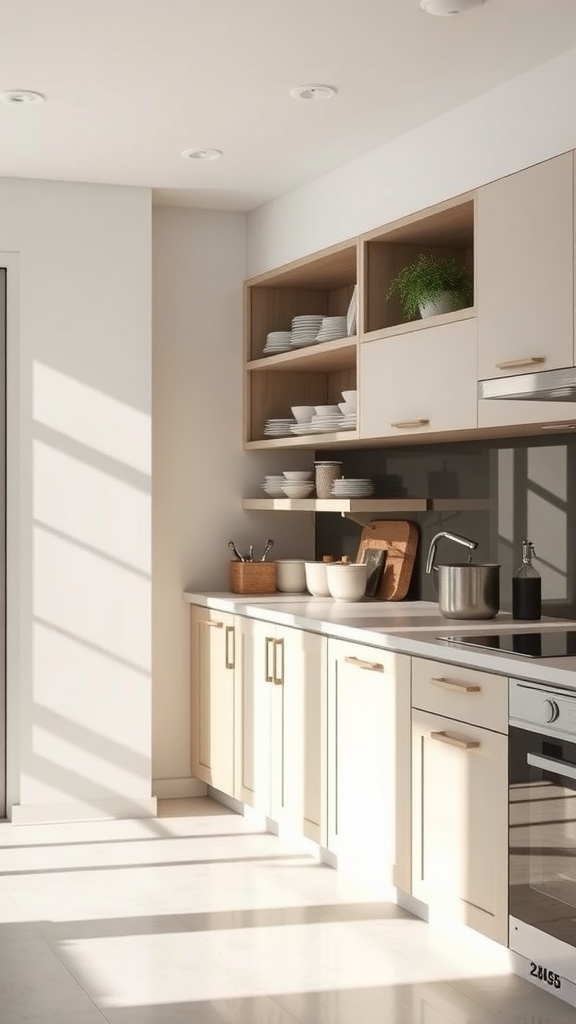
407 424
270 671
278 680
371 666
212 622
454 741
230 658
449 684
512 364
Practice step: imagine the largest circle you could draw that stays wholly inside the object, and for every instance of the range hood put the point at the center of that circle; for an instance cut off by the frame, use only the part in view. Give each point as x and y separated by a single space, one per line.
540 386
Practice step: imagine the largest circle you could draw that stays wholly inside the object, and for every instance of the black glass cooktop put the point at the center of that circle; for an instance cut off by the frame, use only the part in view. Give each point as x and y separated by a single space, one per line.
559 644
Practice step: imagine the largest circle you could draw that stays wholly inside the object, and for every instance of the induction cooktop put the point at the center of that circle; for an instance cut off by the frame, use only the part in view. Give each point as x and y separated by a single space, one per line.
561 644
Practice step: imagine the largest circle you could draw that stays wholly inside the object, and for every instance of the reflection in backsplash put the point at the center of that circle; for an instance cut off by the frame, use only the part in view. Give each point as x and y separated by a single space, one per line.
525 488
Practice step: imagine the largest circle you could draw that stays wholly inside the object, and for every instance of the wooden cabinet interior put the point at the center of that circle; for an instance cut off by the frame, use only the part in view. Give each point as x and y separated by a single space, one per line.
272 394
449 231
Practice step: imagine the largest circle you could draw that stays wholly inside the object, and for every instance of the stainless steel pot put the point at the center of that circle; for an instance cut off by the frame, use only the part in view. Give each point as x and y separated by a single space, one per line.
465 591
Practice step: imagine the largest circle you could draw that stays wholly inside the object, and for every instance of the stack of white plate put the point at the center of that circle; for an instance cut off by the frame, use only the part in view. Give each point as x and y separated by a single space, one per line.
326 423
278 428
305 329
349 421
332 327
301 429
352 487
272 485
277 341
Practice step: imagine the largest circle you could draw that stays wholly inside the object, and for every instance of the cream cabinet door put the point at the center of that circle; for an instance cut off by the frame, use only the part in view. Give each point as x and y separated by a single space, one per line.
419 382
253 713
460 822
369 761
298 749
213 684
525 283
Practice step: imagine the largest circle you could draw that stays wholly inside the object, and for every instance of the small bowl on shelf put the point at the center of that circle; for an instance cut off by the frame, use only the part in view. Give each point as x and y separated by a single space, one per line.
300 475
297 488
326 410
302 413
351 397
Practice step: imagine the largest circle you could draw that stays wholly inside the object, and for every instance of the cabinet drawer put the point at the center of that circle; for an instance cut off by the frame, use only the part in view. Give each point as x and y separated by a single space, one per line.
480 698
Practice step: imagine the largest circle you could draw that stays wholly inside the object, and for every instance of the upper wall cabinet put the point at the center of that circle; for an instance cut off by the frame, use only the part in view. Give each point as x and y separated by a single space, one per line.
525 284
301 371
445 230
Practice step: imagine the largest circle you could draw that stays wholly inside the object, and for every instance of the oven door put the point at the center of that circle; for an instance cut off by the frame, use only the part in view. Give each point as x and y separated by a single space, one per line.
542 846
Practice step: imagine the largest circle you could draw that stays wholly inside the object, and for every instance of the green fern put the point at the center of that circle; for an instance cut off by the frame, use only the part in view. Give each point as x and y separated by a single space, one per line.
426 277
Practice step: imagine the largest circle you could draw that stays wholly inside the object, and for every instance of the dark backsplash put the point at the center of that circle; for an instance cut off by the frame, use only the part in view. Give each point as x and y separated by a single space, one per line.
526 488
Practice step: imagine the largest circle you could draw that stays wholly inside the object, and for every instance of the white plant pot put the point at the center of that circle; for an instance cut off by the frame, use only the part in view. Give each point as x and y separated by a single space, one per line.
443 302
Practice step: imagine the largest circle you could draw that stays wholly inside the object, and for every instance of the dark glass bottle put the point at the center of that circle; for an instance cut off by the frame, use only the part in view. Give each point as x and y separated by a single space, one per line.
527 587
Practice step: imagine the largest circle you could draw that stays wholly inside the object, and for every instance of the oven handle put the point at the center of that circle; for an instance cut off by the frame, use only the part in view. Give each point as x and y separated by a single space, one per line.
552 765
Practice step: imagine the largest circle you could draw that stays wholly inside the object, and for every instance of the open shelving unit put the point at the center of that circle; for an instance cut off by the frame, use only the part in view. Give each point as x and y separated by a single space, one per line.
345 505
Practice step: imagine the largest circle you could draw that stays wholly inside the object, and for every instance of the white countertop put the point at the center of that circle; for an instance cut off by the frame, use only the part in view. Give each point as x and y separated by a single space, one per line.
411 627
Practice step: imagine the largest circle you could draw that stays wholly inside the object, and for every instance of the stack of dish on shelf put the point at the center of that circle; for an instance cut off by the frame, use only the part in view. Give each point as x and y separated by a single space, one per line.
332 327
272 485
278 427
326 419
305 330
352 487
298 484
277 341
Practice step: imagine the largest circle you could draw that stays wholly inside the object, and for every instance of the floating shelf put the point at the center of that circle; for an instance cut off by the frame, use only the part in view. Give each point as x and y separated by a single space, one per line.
327 356
365 504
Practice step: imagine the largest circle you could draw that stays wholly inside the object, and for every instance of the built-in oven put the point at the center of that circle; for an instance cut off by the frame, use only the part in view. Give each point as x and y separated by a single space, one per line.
542 830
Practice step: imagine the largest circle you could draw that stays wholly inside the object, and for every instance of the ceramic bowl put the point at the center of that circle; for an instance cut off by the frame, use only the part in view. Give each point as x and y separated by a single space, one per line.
316 579
297 488
290 575
347 582
351 397
298 474
326 410
346 408
302 413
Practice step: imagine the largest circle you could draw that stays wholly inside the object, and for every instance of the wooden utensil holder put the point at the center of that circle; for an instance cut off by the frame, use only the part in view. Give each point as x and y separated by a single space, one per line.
253 577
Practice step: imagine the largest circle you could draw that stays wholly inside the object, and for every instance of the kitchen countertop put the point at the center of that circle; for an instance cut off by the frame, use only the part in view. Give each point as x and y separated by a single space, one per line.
410 627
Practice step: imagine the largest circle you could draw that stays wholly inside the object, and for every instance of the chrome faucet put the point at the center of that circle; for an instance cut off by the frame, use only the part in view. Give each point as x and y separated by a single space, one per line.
471 544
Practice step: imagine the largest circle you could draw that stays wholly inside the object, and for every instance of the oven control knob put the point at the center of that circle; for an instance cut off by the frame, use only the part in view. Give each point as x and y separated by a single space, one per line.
552 710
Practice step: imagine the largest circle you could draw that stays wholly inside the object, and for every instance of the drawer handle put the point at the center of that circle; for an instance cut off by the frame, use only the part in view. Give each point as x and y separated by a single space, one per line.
454 741
513 364
213 623
278 680
269 661
371 666
230 648
449 684
408 424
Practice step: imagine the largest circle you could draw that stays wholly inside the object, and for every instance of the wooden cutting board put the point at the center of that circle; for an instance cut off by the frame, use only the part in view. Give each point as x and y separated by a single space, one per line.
399 538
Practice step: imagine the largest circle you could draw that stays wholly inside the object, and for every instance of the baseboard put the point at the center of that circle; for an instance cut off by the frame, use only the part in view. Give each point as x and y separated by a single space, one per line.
83 810
178 789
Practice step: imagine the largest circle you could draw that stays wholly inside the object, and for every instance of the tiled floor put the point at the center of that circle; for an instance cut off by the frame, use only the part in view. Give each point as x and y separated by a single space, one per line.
196 916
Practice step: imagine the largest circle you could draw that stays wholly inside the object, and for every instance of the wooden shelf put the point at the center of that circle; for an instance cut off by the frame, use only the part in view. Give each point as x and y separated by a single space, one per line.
324 357
418 325
343 439
365 504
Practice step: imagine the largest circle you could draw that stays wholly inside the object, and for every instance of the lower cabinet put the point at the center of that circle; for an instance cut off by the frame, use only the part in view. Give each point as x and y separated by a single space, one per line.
280 725
369 761
213 690
460 810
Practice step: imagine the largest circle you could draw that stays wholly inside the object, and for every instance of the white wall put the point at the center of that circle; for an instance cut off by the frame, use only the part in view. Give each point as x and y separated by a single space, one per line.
515 125
79 403
200 468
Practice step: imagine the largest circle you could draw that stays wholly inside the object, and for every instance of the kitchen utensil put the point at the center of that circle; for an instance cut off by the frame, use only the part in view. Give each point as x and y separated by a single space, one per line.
399 538
269 544
465 590
233 548
251 554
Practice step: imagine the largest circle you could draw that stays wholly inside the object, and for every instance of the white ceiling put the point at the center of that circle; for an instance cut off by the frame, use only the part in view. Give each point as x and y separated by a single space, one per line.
132 83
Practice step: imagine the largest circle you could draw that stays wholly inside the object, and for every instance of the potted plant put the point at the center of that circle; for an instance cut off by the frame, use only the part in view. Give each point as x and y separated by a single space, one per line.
431 285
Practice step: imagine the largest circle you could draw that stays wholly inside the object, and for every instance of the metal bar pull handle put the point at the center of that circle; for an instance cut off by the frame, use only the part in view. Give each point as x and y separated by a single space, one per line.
278 679
454 741
370 666
270 666
230 647
409 424
513 364
213 623
552 765
453 684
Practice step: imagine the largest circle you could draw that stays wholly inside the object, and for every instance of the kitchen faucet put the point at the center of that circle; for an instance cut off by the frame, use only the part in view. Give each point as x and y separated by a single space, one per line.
471 544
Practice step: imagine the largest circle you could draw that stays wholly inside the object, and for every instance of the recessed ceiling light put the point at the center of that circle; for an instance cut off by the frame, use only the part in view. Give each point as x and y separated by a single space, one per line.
22 97
202 154
313 92
447 8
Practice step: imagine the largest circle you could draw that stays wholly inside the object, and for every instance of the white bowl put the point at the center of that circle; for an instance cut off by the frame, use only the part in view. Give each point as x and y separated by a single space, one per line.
290 575
298 474
347 582
316 580
297 489
273 490
346 408
351 397
326 410
302 413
